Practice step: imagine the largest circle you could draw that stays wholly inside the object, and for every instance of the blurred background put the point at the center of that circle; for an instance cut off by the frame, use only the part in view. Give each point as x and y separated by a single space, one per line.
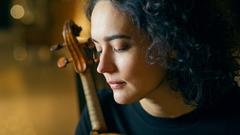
37 98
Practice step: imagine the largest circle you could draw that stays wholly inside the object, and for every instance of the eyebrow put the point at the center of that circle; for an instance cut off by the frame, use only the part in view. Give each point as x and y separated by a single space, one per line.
113 37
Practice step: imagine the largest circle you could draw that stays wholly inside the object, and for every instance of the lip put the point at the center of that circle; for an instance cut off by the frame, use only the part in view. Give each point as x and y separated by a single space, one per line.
116 84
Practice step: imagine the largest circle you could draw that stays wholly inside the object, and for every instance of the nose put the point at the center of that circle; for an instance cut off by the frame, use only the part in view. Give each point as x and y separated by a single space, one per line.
106 63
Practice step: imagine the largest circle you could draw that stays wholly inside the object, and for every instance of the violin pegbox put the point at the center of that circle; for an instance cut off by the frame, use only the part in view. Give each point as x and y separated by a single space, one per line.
81 50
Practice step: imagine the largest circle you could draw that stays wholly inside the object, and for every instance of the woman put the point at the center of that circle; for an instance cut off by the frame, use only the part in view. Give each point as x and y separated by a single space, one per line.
170 66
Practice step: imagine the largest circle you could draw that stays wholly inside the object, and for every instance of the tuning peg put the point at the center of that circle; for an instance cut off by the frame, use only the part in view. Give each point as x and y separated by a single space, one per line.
57 47
63 61
75 29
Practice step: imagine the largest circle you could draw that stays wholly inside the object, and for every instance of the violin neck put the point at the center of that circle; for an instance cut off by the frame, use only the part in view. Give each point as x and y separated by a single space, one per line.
93 105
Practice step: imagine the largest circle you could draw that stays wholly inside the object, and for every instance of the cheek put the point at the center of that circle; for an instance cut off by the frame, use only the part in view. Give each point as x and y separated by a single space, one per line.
127 63
137 72
127 66
132 68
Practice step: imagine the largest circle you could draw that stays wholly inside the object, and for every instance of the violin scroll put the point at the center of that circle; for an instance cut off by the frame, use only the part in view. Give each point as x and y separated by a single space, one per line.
82 51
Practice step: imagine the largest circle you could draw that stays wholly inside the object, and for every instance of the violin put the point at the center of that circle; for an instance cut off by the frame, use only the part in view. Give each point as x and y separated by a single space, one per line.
83 55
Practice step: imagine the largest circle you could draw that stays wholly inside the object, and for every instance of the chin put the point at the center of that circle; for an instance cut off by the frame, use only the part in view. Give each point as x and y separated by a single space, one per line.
122 99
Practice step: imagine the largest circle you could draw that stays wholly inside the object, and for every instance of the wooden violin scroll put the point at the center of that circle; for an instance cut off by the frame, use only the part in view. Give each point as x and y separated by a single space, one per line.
82 56
77 49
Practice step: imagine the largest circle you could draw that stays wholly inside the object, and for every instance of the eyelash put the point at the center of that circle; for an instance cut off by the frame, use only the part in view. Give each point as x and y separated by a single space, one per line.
122 49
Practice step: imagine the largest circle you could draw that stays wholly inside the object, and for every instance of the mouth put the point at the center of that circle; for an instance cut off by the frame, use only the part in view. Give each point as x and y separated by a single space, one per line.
117 84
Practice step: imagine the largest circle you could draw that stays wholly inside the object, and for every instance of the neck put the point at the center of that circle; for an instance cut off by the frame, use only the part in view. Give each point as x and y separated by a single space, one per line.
164 102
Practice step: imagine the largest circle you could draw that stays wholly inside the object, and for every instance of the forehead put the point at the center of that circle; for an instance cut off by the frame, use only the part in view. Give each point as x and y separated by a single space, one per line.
107 20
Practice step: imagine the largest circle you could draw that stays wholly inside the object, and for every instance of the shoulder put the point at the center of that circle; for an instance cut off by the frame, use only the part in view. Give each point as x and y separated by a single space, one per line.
231 99
231 111
227 108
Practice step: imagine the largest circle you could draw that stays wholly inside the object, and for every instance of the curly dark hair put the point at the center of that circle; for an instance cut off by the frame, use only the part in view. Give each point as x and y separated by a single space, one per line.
201 35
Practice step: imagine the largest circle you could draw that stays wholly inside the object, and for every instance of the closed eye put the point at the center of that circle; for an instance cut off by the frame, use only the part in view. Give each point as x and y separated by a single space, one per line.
123 48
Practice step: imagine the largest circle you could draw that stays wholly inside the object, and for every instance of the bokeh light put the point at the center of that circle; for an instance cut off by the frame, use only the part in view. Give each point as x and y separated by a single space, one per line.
17 11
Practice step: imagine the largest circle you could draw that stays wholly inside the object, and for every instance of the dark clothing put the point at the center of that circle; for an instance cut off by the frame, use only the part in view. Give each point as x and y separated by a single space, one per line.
222 119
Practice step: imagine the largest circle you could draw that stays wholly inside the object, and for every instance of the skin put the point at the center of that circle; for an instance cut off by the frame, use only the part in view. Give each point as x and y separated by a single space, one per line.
122 48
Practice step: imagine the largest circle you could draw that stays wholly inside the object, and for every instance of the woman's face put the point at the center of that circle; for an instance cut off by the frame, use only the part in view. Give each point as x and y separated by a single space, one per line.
122 47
